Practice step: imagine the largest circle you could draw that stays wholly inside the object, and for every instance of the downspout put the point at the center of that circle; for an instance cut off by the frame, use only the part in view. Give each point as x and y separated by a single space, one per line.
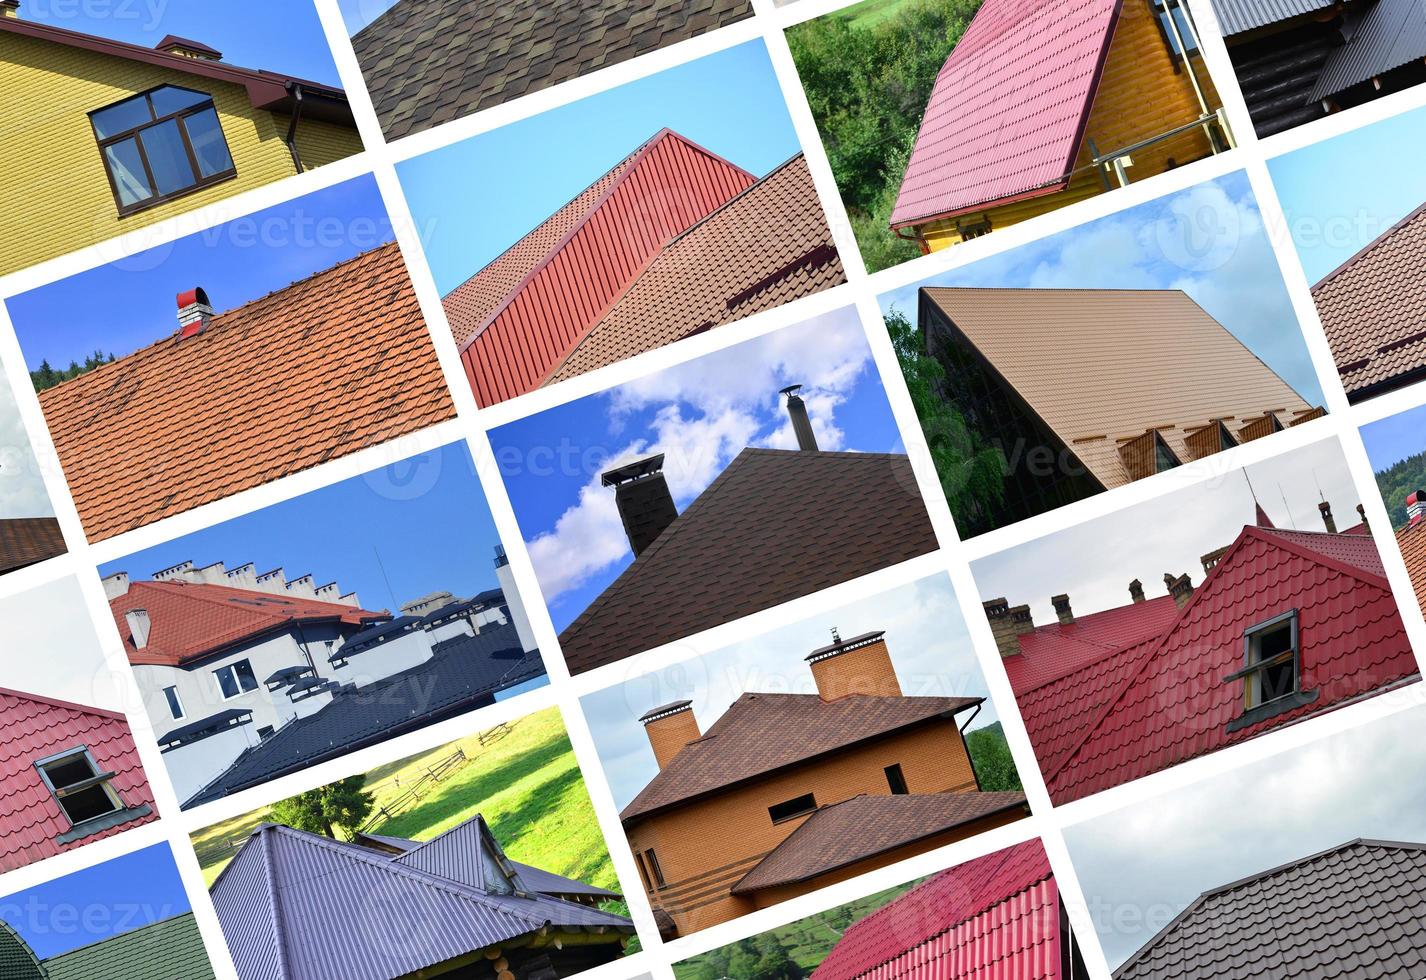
972 717
917 238
295 90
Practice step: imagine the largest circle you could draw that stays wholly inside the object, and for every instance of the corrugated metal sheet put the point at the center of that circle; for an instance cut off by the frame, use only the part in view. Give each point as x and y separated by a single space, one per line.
1237 16
994 917
1392 34
667 187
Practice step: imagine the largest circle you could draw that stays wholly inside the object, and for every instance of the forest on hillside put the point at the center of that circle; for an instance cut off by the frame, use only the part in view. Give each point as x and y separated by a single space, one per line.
1398 480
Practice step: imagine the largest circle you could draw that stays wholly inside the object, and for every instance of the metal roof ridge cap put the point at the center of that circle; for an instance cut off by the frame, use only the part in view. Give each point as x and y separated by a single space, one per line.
1361 253
69 705
757 183
279 931
1302 551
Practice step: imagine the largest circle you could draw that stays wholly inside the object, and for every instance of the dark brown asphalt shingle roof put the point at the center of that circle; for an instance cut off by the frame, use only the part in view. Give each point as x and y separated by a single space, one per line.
775 525
865 826
430 61
1356 912
27 540
760 733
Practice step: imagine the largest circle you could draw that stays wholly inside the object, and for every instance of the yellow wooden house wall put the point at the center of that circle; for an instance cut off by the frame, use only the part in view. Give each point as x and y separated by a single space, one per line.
1140 95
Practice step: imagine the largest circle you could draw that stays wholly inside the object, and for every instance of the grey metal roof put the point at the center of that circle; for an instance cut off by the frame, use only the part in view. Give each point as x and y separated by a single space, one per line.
1356 912
1391 34
535 879
1237 16
162 950
297 906
375 634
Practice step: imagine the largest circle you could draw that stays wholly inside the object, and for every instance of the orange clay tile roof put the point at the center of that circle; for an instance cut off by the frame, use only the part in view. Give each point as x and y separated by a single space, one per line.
1411 539
191 620
1373 308
761 733
865 826
27 540
775 525
332 364
767 246
1102 367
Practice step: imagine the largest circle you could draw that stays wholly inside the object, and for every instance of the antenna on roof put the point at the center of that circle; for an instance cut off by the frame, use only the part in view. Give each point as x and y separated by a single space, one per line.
1286 509
390 593
1251 491
1320 495
836 637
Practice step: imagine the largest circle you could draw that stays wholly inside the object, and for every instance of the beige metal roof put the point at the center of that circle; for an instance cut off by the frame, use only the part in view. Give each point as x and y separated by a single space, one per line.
1102 367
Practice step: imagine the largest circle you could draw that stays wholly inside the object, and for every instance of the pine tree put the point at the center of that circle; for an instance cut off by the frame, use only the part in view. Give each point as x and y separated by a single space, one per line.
344 804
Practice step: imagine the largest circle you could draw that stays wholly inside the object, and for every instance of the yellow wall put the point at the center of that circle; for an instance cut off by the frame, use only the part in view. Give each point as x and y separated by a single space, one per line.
321 143
55 196
1139 96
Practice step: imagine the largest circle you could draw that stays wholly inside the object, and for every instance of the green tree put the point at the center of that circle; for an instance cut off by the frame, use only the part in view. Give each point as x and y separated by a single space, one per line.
990 754
344 804
1396 482
45 376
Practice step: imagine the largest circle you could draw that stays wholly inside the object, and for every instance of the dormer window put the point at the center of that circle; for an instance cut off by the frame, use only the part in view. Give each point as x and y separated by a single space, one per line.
1164 459
1271 673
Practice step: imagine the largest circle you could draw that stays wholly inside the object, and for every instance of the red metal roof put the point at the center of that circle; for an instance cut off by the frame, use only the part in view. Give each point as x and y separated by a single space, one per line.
34 728
190 620
994 918
1008 110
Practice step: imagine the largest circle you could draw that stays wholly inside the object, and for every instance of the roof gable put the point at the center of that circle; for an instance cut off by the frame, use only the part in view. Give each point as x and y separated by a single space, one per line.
332 364
25 541
1008 110
776 524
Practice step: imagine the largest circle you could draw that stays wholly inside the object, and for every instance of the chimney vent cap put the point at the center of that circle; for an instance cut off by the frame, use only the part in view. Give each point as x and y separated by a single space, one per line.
790 390
637 470
842 646
664 710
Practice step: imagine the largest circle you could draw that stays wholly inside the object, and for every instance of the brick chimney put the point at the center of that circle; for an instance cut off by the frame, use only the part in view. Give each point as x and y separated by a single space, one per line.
138 620
1416 505
1210 560
194 313
1136 590
801 422
173 44
1180 588
1328 521
1062 609
1008 624
1362 513
10 8
645 504
860 665
670 727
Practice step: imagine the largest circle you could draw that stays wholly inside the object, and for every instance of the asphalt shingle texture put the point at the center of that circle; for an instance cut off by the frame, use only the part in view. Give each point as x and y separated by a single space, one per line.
27 540
171 949
430 61
775 525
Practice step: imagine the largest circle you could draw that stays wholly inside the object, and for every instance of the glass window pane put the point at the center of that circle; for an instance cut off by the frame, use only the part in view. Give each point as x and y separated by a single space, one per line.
163 145
208 144
175 706
128 171
88 804
121 117
69 771
169 99
245 675
227 683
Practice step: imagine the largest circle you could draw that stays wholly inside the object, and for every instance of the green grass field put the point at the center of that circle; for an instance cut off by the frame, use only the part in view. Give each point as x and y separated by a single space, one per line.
869 13
527 785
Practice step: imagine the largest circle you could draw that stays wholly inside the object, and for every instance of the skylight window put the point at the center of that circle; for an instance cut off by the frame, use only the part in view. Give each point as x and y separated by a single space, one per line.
79 787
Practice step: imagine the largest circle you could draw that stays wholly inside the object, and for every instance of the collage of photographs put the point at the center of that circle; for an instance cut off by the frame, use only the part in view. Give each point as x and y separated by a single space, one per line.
712 489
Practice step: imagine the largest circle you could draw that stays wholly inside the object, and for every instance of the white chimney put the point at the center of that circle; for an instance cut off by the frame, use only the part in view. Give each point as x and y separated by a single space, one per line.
1416 505
138 626
305 587
116 585
512 601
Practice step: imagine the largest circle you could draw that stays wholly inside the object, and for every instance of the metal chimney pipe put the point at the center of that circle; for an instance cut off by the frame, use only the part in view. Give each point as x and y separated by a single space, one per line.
801 423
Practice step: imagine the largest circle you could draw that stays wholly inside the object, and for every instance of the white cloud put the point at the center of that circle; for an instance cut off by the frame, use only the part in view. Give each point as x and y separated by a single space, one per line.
54 650
22 490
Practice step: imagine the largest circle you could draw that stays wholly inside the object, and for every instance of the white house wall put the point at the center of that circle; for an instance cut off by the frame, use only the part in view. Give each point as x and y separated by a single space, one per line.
195 765
517 608
381 661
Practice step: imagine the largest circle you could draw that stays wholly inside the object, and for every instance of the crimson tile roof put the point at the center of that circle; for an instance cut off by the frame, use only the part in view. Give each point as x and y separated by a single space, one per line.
1373 307
26 541
863 827
1007 114
1103 366
192 620
329 365
33 728
761 733
775 525
430 61
1355 912
994 917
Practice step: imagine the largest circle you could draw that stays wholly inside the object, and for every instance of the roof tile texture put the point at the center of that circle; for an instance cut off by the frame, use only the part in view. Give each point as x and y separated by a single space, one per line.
1411 539
774 525
28 540
332 364
430 61
161 950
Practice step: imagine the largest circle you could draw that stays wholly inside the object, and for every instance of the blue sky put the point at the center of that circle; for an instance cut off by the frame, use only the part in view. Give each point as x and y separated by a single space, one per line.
108 899
1339 195
358 13
277 35
235 262
925 635
425 517
474 199
1209 241
700 415
1394 438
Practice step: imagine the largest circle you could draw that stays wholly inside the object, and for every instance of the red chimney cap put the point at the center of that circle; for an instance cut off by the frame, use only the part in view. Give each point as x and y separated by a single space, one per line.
1412 497
193 296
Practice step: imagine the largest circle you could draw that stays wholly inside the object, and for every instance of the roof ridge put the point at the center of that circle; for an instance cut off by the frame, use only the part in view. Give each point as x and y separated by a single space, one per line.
1346 568
122 935
60 703
1361 253
757 182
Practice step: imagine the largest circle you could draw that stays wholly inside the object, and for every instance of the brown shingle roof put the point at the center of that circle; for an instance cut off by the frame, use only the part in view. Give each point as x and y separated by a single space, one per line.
430 61
865 826
332 364
775 525
760 733
1104 366
27 540
1373 308
765 247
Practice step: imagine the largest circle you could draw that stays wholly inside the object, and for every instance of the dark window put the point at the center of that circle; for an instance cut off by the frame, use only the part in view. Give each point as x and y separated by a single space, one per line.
82 791
235 679
1271 660
643 871
1178 11
974 229
896 780
654 868
161 144
175 706
788 809
1225 438
1164 459
264 731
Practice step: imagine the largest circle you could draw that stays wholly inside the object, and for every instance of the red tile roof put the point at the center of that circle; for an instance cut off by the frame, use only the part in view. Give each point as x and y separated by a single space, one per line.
28 540
1411 539
332 364
994 918
1007 114
34 728
190 620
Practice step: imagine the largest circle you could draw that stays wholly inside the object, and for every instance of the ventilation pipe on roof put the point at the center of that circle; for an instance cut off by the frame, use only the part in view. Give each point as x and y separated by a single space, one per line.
1180 588
1008 624
194 313
172 44
670 727
116 585
1416 505
1362 513
1062 609
1136 590
645 504
801 423
1328 521
10 8
138 620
